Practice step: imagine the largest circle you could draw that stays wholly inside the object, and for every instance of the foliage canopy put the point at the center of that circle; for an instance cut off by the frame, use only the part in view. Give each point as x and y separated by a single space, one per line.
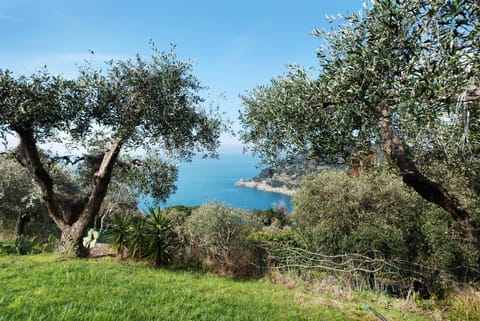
150 104
400 77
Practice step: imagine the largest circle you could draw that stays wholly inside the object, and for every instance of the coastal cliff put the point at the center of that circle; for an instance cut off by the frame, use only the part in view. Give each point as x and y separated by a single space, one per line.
265 186
284 178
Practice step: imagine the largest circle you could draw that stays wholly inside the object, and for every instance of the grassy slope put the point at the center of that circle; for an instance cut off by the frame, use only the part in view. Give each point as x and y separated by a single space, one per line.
41 287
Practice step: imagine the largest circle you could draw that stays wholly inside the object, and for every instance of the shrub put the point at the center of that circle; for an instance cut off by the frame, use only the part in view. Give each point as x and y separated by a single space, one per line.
34 245
465 305
273 216
335 214
136 237
220 235
276 183
277 239
185 210
50 243
448 251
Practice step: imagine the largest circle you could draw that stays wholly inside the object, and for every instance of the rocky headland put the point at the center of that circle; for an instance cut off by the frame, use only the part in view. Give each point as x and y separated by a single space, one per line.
265 186
284 178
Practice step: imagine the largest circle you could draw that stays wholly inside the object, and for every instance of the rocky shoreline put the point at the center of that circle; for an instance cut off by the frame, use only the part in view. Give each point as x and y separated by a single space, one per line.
264 186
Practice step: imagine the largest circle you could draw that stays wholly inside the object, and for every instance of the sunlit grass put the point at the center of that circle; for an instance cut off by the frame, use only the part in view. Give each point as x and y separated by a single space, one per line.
465 306
50 287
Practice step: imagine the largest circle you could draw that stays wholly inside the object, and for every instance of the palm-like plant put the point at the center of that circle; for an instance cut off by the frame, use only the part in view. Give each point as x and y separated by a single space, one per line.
160 237
118 234
151 237
136 237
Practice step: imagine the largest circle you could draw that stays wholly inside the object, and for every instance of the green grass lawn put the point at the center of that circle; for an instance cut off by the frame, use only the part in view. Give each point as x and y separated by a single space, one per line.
51 287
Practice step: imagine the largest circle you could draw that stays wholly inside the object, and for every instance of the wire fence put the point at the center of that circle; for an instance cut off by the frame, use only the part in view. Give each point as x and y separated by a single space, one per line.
359 271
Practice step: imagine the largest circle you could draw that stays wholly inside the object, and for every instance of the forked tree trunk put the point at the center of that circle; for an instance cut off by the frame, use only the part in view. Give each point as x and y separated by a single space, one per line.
72 215
433 192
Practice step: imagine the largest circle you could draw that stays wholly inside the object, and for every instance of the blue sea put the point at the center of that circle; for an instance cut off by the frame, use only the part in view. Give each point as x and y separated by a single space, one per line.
208 180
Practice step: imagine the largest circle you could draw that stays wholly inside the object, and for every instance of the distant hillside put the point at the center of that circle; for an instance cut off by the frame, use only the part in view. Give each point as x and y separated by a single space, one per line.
285 177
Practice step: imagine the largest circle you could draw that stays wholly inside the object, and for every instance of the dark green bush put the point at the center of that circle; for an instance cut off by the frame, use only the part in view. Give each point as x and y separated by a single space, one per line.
186 210
276 216
276 183
7 248
375 213
32 245
136 237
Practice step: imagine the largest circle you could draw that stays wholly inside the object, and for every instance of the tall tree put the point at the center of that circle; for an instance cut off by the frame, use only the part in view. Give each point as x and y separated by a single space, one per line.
152 105
395 76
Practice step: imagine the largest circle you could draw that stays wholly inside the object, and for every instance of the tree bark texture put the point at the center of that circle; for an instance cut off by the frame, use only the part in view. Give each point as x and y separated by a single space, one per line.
394 147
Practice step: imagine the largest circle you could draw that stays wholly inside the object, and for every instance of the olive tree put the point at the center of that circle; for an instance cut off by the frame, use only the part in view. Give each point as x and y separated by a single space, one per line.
401 77
148 104
19 198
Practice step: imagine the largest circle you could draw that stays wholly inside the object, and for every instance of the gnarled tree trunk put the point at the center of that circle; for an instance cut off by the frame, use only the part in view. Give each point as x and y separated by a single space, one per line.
73 215
433 192
72 240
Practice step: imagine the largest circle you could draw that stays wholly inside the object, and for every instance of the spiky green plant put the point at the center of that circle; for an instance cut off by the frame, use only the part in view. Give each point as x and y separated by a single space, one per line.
160 237
118 234
136 237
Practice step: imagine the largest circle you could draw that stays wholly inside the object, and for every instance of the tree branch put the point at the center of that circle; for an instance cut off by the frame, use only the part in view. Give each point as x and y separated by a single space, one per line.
129 165
102 179
471 94
433 192
68 159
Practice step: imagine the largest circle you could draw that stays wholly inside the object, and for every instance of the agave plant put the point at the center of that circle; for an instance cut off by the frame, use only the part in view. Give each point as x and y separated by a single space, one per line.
136 238
160 238
118 234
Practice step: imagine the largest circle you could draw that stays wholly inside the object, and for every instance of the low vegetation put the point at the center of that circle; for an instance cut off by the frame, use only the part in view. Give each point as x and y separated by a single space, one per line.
50 287
375 215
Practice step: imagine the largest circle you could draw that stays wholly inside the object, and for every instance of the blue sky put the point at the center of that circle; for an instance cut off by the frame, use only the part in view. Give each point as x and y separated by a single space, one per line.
235 44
